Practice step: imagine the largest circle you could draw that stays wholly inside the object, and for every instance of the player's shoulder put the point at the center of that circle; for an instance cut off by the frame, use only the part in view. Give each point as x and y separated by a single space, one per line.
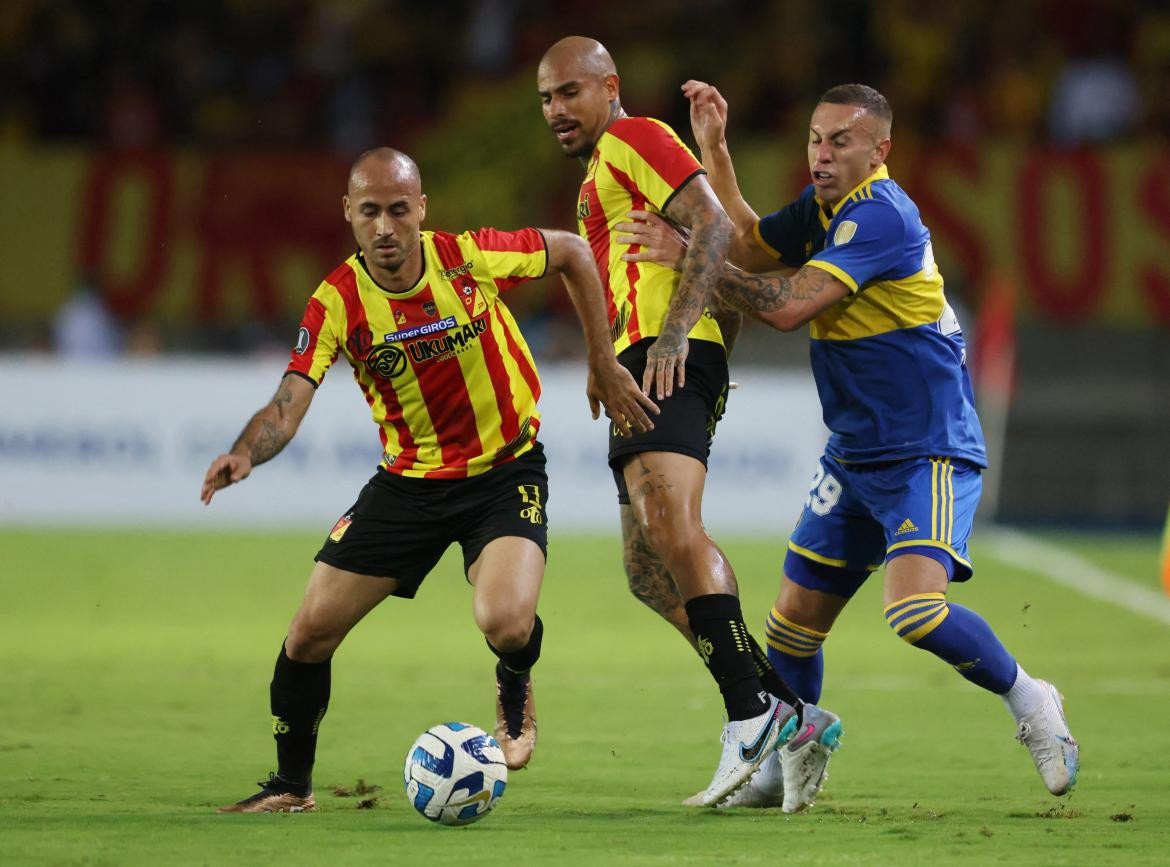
877 210
642 133
340 277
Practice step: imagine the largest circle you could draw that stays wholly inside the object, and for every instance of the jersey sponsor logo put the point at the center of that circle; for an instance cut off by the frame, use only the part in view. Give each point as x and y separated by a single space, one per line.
279 726
583 207
400 317
386 361
845 232
458 271
302 344
420 330
359 342
451 343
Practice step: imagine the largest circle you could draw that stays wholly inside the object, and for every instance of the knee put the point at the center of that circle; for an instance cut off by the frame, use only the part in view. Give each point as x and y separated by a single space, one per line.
670 537
310 640
914 617
507 631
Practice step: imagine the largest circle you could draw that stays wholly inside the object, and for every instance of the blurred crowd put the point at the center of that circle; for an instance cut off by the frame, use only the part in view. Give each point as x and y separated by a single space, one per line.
454 84
344 74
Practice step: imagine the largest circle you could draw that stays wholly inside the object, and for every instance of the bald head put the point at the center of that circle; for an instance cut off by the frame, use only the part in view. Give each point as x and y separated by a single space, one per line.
578 86
384 164
384 205
579 55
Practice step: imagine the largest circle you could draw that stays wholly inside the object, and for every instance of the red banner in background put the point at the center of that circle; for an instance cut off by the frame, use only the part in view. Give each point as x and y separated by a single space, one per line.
237 214
1085 235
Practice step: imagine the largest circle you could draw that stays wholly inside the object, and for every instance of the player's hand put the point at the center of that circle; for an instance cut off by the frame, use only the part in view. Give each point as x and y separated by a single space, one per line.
612 386
665 361
224 470
708 113
659 239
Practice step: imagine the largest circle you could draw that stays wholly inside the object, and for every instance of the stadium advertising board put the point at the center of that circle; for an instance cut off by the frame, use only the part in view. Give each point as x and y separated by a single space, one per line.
133 448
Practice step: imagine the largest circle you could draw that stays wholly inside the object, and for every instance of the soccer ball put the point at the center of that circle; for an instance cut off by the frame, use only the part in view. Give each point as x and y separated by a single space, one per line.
454 773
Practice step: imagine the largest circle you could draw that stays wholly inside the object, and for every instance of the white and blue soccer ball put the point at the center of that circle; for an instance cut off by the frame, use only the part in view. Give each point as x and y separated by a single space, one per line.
454 773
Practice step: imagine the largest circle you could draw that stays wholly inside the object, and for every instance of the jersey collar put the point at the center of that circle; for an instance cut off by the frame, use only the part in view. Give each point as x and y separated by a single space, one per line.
882 174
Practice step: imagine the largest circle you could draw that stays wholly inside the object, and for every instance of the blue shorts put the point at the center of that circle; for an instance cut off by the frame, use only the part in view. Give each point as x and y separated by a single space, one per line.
859 516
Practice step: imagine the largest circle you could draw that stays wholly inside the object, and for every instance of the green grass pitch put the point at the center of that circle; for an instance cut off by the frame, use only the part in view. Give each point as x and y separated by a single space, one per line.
134 672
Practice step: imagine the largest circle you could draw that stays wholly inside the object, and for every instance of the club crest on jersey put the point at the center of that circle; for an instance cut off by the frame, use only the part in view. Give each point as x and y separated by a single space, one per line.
430 309
302 344
340 527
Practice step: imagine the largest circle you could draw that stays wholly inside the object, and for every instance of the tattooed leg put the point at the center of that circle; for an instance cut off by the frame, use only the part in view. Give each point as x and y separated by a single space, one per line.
648 577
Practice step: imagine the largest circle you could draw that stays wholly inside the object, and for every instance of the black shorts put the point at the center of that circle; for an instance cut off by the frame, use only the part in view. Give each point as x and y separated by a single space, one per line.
687 422
399 527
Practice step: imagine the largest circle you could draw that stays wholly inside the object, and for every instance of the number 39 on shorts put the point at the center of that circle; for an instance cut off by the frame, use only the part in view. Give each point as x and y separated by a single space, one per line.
823 492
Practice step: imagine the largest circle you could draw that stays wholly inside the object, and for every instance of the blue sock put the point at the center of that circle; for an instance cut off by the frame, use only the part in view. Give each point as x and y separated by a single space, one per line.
795 652
956 635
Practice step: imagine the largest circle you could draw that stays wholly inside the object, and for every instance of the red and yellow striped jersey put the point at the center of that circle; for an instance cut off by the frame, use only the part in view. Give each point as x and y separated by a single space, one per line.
444 368
639 163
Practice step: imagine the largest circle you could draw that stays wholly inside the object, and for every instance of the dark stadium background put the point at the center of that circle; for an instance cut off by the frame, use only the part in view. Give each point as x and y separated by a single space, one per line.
178 166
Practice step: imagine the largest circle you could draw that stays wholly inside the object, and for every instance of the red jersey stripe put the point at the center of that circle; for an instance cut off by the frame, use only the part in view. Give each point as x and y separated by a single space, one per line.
657 147
357 324
597 231
526 370
522 241
638 203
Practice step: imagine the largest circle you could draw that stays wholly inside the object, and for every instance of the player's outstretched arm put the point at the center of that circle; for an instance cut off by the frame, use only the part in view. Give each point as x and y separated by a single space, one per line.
610 385
709 124
268 431
786 303
695 207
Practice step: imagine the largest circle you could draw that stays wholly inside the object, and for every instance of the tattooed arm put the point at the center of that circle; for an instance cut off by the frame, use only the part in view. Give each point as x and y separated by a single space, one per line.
695 207
268 431
786 303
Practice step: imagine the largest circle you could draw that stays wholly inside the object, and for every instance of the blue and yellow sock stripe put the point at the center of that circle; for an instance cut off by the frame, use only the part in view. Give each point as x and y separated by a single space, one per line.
792 638
917 616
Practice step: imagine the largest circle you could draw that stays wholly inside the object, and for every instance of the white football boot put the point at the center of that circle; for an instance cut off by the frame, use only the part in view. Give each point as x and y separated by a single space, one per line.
1045 733
805 757
746 743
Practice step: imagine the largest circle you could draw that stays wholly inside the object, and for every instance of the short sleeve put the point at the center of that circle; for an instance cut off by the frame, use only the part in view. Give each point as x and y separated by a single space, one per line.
316 345
866 239
649 158
511 257
785 233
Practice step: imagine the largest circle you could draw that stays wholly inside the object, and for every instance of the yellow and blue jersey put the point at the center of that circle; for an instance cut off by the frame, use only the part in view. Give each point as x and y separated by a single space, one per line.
889 359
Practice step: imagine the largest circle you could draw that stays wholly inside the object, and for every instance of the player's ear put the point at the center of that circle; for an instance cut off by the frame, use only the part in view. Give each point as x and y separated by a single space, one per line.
883 149
345 208
422 207
612 86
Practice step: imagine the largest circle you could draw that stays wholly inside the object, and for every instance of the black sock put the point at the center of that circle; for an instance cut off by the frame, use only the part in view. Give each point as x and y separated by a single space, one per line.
518 662
717 624
300 695
771 678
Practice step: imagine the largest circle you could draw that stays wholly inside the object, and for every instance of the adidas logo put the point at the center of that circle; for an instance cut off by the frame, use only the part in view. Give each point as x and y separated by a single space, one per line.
907 527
